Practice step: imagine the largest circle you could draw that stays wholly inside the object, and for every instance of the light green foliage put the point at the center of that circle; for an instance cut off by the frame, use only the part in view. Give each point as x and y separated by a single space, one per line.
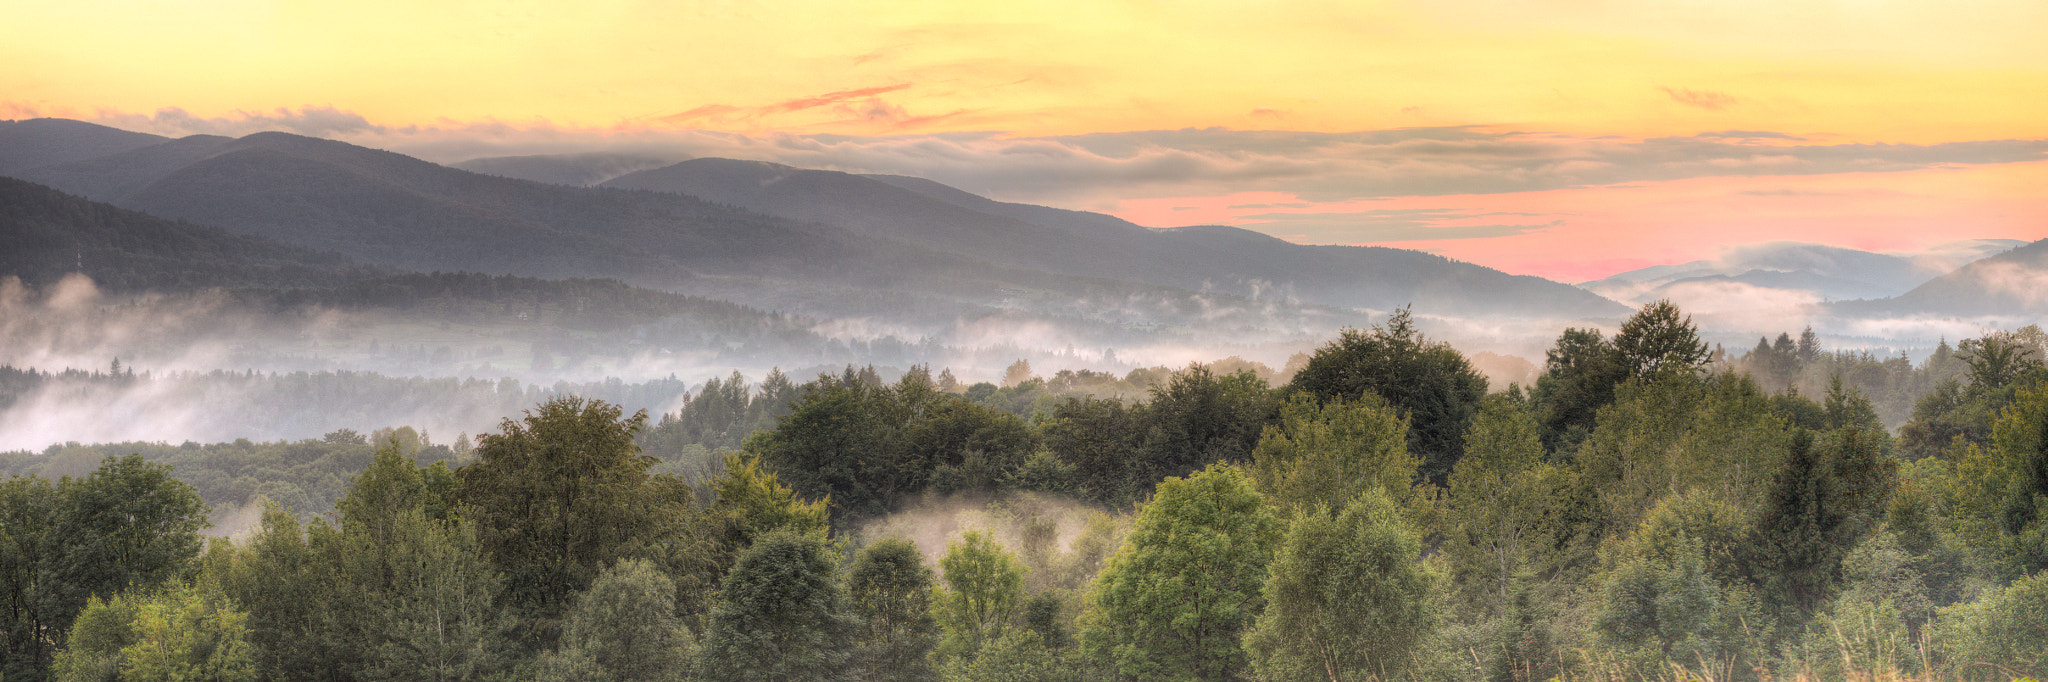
436 618
178 633
1680 433
890 591
624 628
1175 600
1873 624
2001 491
1347 598
92 650
782 616
984 584
1323 453
2003 628
1496 511
1672 592
754 503
1017 656
127 525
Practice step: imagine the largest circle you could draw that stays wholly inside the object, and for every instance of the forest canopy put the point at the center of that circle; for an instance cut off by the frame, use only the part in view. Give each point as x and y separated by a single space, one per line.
1649 508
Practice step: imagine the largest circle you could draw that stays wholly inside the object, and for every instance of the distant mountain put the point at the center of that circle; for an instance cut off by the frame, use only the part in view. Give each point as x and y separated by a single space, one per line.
47 141
769 235
574 170
46 234
395 210
1199 258
1824 272
2011 283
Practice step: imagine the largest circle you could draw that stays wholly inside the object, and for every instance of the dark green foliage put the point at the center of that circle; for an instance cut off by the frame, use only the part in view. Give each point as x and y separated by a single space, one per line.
1199 418
1097 438
1579 375
1657 339
1429 383
869 447
50 234
782 616
1829 492
129 525
890 593
626 626
557 497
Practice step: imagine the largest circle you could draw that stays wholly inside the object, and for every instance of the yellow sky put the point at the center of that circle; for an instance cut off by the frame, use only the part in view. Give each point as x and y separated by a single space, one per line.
1859 70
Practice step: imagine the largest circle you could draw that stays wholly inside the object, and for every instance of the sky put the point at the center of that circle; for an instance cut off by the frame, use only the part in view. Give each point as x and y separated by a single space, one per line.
1569 139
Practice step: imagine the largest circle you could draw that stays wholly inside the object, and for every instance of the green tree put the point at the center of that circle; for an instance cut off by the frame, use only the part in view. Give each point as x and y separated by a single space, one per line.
127 526
1096 438
1429 383
1580 373
1177 597
2001 490
984 587
28 507
436 618
1823 500
890 591
626 626
1198 418
2000 635
302 618
1672 592
178 633
782 616
1322 454
557 497
1657 339
1499 495
1347 598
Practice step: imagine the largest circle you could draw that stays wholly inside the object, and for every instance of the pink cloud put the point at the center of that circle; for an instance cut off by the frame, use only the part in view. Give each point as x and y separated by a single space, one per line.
1587 233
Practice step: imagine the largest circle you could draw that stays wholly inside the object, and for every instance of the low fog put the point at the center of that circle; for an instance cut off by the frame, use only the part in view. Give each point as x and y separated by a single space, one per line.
210 366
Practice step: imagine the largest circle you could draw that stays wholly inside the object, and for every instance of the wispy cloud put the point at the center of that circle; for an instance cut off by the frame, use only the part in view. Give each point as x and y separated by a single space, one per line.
1702 99
726 113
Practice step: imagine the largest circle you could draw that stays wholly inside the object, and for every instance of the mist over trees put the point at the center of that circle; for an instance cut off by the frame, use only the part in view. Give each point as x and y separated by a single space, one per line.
1648 508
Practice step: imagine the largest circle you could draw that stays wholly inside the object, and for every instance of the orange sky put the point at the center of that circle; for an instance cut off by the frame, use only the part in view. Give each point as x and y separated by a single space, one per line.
1828 72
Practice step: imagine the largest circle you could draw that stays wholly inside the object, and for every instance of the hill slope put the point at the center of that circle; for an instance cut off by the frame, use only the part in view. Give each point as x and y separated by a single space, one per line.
1201 258
46 141
2010 283
47 234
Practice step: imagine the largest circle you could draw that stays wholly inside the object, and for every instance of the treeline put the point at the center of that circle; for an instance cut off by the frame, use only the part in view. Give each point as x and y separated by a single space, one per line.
1634 515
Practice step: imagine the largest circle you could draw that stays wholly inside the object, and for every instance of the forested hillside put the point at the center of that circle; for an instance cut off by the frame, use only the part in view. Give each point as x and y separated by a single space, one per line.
50 234
1644 511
